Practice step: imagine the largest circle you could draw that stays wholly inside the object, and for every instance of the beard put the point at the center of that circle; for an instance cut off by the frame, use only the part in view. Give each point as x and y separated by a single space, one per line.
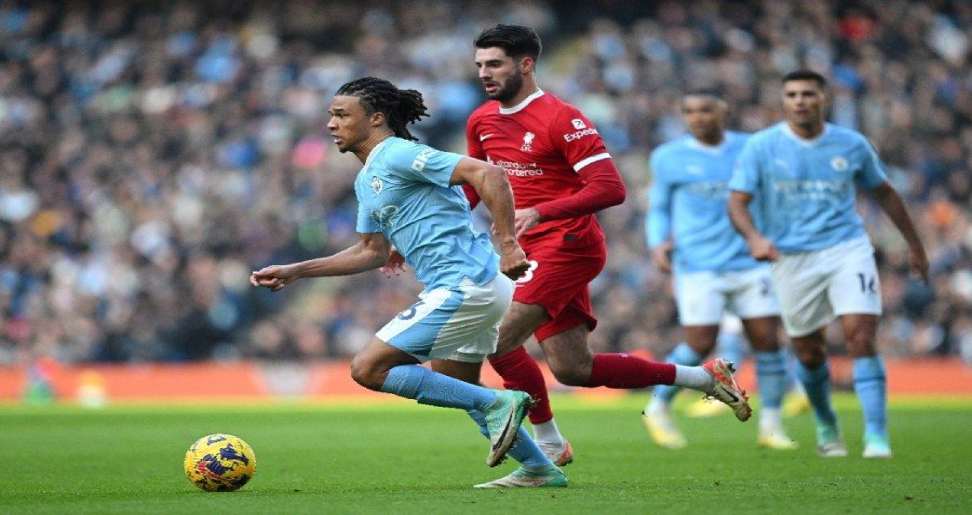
510 89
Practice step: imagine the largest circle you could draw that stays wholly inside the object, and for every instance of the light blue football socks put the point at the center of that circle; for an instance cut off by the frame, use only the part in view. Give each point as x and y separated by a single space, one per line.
771 377
816 383
430 387
870 383
732 347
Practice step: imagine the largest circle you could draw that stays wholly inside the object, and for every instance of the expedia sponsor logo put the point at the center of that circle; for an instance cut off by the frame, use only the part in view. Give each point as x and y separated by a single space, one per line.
579 134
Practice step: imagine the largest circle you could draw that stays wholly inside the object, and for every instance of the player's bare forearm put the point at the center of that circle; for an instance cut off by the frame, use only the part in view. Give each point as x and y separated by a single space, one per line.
496 193
369 253
493 188
661 256
759 247
892 204
739 215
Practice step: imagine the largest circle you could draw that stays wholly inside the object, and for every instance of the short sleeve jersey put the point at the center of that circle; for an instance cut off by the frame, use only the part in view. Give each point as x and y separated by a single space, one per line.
544 144
403 192
804 191
687 204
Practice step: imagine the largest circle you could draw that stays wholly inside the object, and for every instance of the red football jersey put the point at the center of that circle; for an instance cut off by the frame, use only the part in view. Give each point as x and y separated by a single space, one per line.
544 144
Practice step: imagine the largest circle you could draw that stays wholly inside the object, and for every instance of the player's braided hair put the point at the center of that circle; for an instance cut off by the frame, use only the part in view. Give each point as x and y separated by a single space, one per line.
400 106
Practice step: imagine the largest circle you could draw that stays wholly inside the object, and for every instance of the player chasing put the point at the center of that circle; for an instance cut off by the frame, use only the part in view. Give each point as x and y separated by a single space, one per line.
561 175
689 233
409 195
801 177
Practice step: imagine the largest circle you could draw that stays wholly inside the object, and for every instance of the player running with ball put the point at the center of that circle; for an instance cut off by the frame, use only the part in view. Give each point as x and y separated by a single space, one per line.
409 195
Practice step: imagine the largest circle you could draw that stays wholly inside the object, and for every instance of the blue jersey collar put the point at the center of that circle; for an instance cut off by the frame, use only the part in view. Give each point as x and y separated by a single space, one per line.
694 143
803 141
374 151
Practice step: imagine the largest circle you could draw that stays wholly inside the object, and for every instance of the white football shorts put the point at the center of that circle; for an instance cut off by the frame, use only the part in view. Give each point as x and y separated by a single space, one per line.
458 324
815 287
703 297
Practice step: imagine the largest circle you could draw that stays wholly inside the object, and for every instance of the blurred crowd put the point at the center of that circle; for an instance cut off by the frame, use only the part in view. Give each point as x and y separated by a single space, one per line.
151 155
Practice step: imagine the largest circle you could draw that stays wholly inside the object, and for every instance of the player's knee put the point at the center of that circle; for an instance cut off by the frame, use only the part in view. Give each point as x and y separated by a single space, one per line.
365 373
507 342
811 356
702 347
860 343
520 322
765 343
764 340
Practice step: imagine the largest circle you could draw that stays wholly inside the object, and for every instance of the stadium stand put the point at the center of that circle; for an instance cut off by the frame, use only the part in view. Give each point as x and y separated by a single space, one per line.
152 154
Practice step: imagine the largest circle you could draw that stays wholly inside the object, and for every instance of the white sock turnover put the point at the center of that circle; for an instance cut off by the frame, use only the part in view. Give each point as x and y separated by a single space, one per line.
693 377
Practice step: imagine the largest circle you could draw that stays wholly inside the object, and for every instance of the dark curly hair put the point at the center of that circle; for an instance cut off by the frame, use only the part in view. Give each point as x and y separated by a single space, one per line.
400 106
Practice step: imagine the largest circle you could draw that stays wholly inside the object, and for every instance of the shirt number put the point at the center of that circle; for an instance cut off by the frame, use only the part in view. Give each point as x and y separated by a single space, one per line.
868 283
526 277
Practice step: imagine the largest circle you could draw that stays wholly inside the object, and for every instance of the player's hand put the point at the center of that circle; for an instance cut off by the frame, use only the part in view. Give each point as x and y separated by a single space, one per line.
762 249
274 277
919 262
513 261
525 219
394 266
661 255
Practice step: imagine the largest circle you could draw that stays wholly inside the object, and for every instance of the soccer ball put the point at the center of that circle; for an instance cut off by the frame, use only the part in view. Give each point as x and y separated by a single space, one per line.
220 463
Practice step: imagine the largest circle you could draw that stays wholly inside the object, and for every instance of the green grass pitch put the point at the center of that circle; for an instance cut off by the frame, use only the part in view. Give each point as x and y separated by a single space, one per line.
404 458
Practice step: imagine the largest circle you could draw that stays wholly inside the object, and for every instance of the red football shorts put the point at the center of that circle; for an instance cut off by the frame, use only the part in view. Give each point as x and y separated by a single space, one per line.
557 280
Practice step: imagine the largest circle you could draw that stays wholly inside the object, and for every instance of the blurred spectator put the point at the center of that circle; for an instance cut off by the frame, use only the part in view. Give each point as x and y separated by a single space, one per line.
151 156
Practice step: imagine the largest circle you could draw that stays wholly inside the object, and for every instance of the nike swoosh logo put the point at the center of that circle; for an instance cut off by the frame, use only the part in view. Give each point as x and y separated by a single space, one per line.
506 429
730 394
485 137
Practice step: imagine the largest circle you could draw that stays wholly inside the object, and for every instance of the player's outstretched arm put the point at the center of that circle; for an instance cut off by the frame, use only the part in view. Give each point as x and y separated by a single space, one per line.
493 188
371 251
658 223
891 203
759 247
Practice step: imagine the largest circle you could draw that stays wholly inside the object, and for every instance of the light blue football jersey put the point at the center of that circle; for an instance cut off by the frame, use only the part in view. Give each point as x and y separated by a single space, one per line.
804 190
403 192
687 204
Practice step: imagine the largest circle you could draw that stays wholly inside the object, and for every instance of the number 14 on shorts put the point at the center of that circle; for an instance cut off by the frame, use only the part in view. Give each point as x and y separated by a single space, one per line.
868 283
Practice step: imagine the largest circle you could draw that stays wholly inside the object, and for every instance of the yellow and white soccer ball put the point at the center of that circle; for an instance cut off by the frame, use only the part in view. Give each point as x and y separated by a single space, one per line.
220 463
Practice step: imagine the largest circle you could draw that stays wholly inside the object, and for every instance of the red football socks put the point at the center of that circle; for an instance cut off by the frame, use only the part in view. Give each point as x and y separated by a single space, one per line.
627 371
521 372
